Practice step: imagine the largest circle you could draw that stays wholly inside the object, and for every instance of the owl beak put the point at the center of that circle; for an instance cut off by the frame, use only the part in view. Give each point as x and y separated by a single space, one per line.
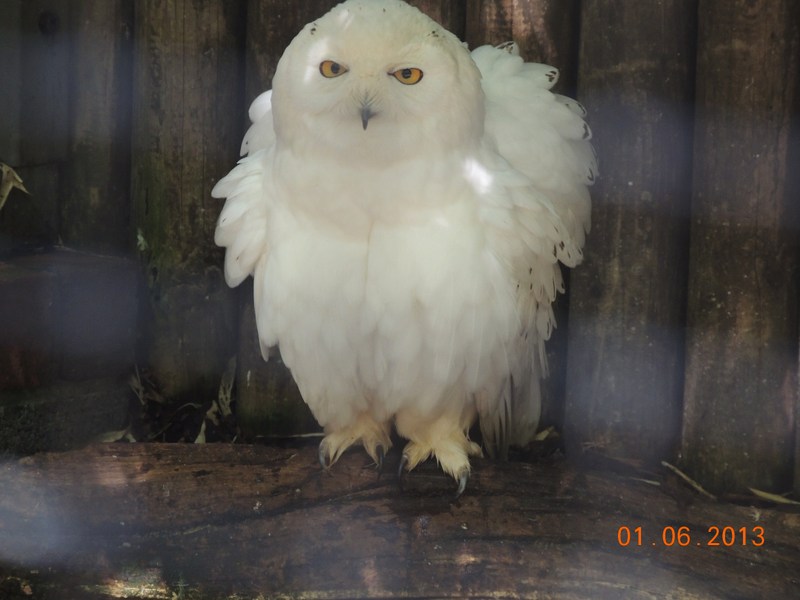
366 115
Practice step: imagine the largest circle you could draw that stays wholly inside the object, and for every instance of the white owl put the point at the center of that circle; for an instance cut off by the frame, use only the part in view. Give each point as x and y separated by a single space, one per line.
403 207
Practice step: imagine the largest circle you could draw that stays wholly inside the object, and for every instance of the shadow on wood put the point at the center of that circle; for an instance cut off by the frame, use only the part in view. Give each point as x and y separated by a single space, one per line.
208 521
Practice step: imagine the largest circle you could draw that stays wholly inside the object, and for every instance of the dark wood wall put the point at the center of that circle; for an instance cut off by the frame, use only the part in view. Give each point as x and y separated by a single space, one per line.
679 339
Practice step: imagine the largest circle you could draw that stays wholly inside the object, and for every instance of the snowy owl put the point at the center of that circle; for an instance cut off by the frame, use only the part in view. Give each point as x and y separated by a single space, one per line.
403 206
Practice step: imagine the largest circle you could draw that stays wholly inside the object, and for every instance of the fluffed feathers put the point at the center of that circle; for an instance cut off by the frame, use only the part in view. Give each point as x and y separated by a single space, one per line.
408 270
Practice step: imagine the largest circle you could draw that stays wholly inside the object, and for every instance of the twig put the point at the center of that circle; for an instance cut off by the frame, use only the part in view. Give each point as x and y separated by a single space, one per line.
689 480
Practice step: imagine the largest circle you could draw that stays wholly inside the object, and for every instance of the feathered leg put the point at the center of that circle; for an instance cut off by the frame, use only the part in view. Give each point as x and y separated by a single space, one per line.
444 437
374 436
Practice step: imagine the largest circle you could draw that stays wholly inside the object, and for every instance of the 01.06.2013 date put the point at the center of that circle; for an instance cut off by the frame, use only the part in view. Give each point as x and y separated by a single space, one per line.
683 535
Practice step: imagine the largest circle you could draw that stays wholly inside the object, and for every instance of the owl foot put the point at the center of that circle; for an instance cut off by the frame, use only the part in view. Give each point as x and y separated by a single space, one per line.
401 470
452 455
372 435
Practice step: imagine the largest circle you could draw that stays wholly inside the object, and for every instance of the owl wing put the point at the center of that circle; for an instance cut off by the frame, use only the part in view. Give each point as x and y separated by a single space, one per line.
242 224
542 138
261 134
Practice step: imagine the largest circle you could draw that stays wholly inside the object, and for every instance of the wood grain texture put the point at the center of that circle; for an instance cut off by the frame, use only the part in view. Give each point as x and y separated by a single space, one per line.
10 98
46 32
28 356
95 210
545 30
214 521
187 119
42 122
627 299
741 391
92 315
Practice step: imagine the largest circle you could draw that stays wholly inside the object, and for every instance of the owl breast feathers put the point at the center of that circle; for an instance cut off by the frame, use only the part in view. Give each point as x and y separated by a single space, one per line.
403 206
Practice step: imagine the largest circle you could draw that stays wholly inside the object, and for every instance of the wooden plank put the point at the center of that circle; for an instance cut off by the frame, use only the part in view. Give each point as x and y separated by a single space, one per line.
96 207
27 346
92 315
46 29
188 110
67 315
545 30
211 521
627 299
43 122
742 309
11 59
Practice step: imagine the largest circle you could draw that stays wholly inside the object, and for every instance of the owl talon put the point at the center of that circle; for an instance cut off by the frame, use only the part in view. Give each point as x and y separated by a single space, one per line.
379 463
322 452
401 469
462 485
403 465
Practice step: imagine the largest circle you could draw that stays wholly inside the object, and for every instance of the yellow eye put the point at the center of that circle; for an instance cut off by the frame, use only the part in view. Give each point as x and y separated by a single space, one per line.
407 76
331 69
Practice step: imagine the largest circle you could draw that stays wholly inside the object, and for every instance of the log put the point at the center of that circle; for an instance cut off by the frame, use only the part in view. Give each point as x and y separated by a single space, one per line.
627 299
741 372
96 208
211 521
187 113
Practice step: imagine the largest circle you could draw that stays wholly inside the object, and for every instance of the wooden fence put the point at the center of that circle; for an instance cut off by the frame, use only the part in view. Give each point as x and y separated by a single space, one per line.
680 340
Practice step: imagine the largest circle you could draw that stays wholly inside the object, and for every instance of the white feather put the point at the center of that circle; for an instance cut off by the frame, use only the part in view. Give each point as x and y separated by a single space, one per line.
407 269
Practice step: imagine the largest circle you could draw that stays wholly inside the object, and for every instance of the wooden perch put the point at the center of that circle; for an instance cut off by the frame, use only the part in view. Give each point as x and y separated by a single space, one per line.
211 521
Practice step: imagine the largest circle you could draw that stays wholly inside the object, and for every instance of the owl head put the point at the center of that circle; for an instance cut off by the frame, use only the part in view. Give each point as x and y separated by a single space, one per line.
376 81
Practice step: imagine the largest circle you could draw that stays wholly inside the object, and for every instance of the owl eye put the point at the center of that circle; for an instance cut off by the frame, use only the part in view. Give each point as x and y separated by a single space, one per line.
331 69
407 76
